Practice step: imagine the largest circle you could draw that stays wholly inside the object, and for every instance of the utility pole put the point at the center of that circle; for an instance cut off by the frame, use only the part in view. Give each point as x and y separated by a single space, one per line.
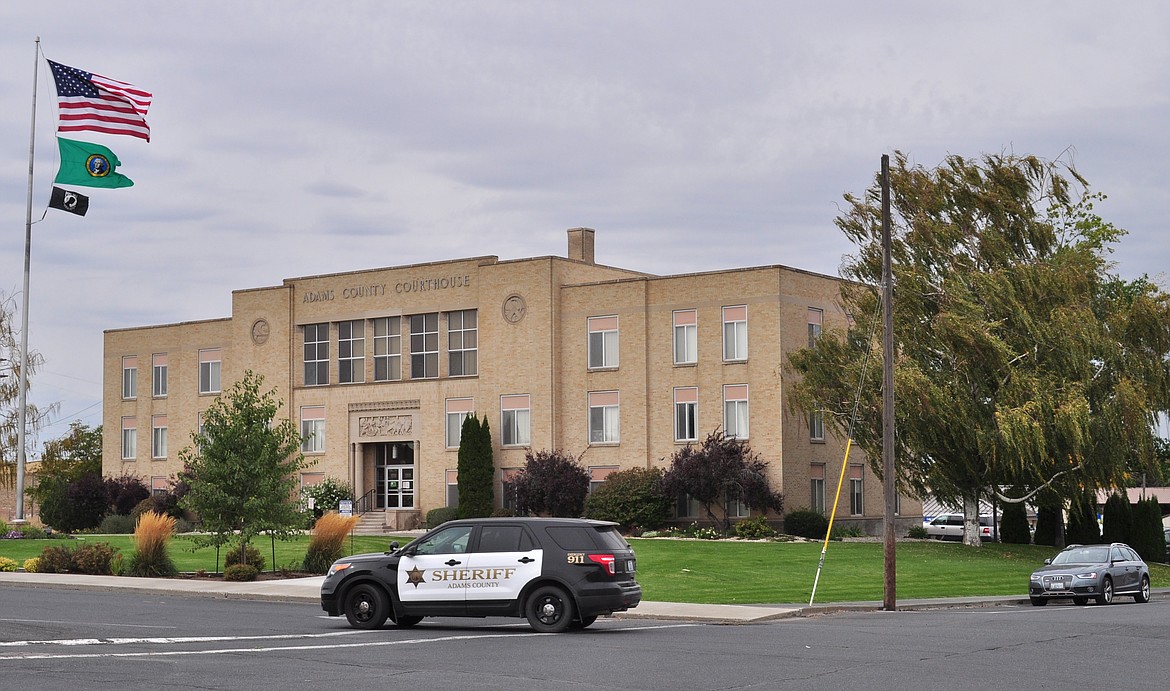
889 479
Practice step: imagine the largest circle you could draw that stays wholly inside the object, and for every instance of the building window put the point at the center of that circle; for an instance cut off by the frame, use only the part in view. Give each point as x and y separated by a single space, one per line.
816 319
424 346
158 375
856 491
129 377
158 485
603 342
516 420
735 411
452 488
735 335
158 436
736 506
129 438
316 354
686 506
686 414
508 488
686 337
210 363
388 349
816 473
462 343
351 352
458 410
816 425
598 475
604 422
313 429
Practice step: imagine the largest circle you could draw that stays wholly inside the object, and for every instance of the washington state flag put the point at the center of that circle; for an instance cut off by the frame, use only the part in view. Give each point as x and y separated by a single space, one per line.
89 165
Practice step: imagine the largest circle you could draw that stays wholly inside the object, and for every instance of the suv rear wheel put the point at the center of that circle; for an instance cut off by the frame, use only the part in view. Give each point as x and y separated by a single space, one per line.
549 610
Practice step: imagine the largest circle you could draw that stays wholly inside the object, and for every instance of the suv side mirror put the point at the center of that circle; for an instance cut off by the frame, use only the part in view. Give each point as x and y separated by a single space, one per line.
393 546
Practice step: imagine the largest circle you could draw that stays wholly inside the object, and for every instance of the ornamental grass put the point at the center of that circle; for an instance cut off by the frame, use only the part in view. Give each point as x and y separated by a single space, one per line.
151 535
327 544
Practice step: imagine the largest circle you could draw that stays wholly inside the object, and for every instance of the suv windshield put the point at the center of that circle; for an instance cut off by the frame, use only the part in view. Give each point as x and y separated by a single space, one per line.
1083 555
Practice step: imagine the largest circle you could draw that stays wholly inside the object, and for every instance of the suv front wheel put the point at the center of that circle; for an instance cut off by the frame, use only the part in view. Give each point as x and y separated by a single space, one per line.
549 610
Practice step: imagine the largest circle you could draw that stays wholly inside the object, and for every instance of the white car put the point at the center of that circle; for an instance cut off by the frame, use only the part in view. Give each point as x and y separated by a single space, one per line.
949 526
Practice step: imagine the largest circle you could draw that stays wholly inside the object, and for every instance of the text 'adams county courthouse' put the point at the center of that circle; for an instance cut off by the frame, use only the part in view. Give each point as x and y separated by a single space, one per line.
378 369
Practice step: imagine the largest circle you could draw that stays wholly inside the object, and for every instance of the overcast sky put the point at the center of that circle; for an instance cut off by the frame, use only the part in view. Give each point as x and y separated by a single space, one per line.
300 138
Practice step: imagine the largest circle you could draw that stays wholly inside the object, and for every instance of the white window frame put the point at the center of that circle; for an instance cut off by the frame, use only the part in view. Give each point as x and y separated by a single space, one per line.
129 377
424 346
463 343
604 417
388 349
351 352
817 487
736 507
856 491
515 420
129 438
686 337
735 333
315 341
313 429
736 411
158 436
158 375
603 342
816 426
452 489
686 413
816 321
457 410
210 370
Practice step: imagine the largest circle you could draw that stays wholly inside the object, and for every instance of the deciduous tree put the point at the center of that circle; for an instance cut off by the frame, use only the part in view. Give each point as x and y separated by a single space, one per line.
716 470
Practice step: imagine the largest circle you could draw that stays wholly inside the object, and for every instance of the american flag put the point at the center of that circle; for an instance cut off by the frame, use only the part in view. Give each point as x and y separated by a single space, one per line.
98 104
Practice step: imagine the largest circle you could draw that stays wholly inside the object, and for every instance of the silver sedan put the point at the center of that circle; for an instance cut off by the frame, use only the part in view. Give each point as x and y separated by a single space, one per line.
1100 572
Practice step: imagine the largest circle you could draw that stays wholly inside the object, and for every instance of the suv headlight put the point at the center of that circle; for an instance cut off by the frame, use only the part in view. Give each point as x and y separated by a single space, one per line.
337 566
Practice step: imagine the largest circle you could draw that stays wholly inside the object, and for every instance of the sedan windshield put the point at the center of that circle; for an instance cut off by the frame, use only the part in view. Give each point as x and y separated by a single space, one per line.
1083 555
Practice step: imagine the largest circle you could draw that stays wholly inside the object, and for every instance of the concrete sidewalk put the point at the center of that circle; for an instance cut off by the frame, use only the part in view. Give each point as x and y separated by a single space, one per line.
308 590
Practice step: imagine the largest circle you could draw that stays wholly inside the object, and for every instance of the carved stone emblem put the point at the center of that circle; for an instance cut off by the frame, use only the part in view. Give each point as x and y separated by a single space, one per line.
385 425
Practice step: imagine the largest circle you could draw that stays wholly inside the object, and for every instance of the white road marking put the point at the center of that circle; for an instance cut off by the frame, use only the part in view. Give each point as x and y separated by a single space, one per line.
328 646
171 639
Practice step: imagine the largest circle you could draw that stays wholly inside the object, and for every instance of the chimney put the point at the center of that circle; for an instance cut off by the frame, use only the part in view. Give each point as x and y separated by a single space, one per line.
581 244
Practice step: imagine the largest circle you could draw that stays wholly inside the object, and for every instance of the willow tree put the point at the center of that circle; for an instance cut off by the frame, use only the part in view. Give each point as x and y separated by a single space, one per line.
1021 360
10 394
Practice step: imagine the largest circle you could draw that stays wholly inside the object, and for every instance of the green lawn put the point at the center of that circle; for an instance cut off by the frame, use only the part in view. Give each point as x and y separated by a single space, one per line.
726 572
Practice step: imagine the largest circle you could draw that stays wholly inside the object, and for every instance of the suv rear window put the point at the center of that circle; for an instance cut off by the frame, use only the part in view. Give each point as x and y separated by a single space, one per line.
572 538
610 538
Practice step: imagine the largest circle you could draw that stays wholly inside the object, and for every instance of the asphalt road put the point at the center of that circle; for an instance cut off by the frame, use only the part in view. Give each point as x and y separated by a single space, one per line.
75 639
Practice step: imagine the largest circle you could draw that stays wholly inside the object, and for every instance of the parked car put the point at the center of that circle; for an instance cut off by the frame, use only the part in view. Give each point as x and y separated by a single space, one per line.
1100 572
949 526
556 572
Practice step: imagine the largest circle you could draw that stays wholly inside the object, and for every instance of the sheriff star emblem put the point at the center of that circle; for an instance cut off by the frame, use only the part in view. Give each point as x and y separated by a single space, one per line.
415 577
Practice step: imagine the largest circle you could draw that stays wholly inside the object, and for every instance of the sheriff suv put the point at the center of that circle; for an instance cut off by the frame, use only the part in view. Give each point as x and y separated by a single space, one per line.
555 572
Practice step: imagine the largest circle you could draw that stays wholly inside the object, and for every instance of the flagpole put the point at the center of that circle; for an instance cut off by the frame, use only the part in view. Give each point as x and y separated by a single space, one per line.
22 406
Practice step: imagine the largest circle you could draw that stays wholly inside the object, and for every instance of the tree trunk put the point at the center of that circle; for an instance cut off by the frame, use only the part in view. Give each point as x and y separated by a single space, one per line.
971 521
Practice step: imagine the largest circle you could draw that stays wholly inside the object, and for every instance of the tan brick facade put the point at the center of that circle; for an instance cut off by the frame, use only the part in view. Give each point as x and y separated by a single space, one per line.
531 343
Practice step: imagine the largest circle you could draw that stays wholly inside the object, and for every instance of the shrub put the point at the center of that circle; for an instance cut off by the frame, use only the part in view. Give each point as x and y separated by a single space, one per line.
328 541
551 483
917 532
1148 538
754 528
1117 519
326 495
32 565
124 493
94 558
32 532
439 516
633 498
503 512
1082 520
840 532
150 546
1048 522
476 468
250 556
240 572
116 524
3 528
7 564
55 559
806 523
1013 525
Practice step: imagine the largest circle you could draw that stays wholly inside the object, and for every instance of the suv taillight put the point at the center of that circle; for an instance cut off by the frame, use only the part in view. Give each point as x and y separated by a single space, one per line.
606 561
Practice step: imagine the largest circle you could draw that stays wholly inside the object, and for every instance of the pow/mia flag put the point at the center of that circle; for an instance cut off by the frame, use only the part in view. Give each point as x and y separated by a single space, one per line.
68 200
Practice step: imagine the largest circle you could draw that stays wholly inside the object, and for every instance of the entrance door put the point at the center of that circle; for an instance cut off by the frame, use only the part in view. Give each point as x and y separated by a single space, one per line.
396 487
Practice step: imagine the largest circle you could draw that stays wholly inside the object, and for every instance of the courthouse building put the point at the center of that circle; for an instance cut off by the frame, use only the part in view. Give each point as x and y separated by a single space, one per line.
378 368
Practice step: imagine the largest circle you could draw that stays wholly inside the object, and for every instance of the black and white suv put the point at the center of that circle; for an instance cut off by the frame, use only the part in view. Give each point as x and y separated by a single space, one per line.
556 572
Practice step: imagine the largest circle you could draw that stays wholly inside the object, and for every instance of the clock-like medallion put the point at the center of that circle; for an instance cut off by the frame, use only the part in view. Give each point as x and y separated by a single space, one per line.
514 309
260 331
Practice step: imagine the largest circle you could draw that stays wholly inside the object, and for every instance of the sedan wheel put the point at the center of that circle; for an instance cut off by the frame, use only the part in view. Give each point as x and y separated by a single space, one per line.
1143 595
1106 595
